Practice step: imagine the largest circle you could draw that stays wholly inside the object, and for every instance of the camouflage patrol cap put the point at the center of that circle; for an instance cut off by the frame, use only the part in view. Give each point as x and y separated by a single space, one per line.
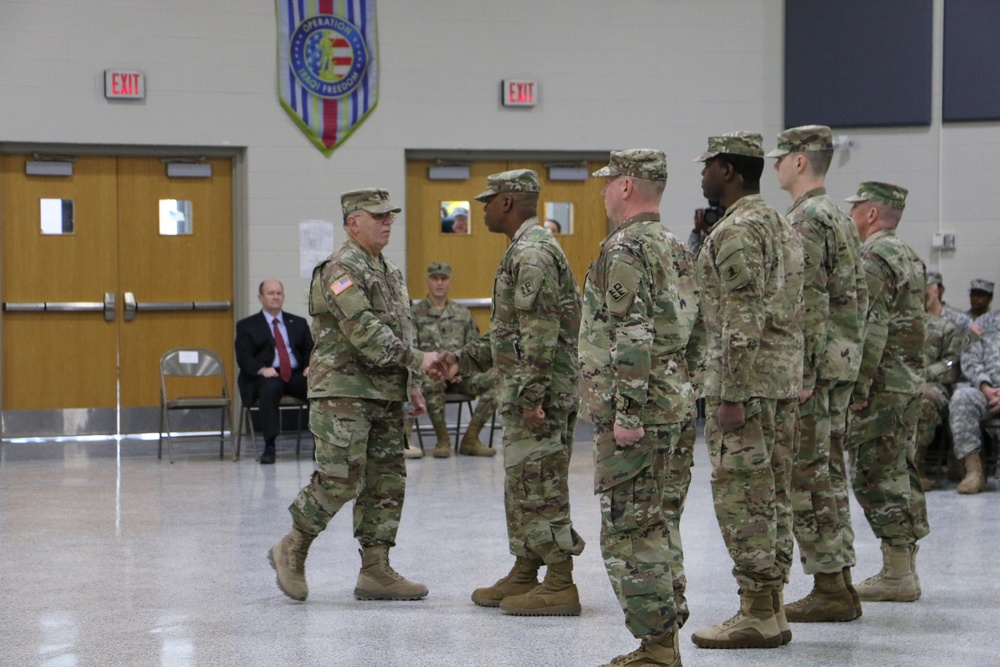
373 200
883 193
516 180
439 269
934 278
981 285
802 139
750 144
636 162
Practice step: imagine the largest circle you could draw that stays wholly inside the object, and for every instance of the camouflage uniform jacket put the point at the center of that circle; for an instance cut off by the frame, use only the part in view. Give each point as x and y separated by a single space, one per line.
534 325
942 350
361 324
961 320
446 328
893 357
981 359
834 293
640 303
750 271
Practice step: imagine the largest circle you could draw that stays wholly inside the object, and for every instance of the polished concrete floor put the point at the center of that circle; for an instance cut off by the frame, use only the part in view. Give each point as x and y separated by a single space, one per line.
111 557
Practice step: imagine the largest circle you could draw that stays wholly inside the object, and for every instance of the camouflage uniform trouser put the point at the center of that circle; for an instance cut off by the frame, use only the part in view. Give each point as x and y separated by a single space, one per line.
675 495
635 535
882 440
751 474
479 384
817 521
536 486
967 409
840 400
359 456
933 408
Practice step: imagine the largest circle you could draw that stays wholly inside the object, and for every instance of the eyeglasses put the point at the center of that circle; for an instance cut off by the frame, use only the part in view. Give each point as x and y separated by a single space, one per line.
382 217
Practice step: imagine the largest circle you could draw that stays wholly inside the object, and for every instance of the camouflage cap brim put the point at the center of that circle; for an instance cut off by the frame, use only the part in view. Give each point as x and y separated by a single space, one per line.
605 172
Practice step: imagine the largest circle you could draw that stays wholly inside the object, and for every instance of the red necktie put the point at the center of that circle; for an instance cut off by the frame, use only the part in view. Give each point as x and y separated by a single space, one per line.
284 363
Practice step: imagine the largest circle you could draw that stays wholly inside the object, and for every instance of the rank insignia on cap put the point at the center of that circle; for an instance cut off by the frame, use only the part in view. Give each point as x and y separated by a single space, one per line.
340 285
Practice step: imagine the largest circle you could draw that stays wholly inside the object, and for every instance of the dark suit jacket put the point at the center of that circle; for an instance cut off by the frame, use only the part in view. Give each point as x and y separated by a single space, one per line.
255 348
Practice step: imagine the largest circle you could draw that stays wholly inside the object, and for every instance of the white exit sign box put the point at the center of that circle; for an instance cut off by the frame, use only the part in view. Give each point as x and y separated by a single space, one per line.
519 93
124 84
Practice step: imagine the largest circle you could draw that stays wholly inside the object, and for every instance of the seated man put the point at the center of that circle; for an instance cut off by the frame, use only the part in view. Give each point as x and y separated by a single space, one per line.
977 401
961 320
942 354
272 351
441 325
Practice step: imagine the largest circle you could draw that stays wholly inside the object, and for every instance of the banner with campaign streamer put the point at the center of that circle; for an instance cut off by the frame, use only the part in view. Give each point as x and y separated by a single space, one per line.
327 66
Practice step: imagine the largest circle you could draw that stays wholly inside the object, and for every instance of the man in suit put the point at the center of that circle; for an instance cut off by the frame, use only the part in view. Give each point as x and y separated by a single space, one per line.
267 371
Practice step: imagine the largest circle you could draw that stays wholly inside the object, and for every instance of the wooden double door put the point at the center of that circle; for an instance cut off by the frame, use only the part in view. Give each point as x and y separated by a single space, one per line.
474 256
106 264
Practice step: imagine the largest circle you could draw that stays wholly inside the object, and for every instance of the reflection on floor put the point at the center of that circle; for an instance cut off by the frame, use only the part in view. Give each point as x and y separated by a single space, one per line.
115 558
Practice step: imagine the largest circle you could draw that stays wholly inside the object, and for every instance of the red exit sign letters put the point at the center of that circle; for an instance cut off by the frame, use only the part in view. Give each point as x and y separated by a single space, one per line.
519 93
120 84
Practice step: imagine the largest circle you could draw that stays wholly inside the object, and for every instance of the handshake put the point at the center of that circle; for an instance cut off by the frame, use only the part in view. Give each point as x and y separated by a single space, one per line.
440 365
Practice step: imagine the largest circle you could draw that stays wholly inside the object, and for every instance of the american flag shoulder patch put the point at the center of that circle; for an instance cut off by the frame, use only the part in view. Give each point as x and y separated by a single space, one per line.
341 284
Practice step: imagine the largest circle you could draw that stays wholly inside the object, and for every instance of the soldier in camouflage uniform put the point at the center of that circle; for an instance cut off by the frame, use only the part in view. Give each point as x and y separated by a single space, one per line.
976 401
942 355
441 324
361 372
885 404
750 271
640 304
532 344
961 320
980 297
835 300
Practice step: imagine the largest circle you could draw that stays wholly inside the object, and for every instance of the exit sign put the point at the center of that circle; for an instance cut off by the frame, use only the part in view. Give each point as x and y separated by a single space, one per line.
519 93
122 84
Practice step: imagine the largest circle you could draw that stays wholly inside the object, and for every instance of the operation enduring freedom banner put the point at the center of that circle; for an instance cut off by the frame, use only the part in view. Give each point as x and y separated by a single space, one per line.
327 66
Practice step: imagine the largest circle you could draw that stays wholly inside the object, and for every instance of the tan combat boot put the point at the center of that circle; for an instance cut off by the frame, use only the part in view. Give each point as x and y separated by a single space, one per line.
470 445
753 626
974 481
913 568
829 600
411 451
855 598
555 596
778 606
662 653
378 581
522 578
442 449
895 583
288 558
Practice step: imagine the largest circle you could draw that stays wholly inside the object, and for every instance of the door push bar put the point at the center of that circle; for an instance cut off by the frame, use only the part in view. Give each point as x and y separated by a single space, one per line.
132 306
107 307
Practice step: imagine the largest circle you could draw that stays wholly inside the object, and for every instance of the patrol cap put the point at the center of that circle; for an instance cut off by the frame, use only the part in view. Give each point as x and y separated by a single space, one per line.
981 285
934 278
811 138
439 269
373 200
457 211
883 193
636 162
750 144
516 180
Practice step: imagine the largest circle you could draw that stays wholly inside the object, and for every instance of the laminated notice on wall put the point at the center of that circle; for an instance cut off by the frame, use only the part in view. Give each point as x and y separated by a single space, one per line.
315 244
